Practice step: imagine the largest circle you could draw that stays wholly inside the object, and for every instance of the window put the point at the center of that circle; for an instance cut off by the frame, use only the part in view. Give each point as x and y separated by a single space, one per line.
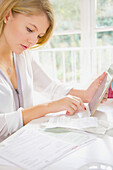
81 46
67 25
104 22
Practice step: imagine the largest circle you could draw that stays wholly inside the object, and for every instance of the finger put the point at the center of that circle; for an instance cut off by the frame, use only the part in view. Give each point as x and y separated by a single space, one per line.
75 107
70 111
106 95
78 102
82 105
67 113
104 99
100 78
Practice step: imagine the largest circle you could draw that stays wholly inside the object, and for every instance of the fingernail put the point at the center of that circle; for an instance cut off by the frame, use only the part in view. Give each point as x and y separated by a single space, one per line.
68 113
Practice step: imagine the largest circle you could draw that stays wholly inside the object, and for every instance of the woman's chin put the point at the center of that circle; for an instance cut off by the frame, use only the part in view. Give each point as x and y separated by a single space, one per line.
18 51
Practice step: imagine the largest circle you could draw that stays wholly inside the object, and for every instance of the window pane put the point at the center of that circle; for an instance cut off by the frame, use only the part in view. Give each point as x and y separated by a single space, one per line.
61 65
104 58
104 13
67 14
105 38
63 41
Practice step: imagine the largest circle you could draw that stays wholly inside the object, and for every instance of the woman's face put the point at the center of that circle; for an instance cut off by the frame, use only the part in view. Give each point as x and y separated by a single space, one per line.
21 31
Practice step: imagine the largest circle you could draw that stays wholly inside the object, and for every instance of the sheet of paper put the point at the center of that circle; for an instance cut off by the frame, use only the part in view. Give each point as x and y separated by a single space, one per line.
33 150
68 122
77 138
88 124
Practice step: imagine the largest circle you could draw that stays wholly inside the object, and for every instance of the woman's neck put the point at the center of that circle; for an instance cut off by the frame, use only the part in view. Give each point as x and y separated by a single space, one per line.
5 51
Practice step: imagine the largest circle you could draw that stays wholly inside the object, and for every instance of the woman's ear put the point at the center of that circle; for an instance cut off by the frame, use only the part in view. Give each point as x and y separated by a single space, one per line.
8 16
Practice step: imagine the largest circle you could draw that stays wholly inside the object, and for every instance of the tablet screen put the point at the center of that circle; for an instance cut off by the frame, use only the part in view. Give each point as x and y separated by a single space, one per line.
97 98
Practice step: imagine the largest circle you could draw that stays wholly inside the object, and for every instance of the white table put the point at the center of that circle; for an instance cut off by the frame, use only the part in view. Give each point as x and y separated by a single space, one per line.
99 150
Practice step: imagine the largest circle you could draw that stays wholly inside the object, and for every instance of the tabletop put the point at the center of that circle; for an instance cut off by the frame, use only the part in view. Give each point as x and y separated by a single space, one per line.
98 152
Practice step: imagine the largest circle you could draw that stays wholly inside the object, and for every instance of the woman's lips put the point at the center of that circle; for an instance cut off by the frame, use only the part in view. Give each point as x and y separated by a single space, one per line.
24 47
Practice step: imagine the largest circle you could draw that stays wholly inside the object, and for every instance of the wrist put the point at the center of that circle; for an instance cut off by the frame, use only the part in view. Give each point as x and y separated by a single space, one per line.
52 107
79 93
86 96
34 112
85 99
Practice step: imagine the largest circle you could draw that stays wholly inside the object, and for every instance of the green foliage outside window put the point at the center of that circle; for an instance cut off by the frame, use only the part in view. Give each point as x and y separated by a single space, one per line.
104 18
67 16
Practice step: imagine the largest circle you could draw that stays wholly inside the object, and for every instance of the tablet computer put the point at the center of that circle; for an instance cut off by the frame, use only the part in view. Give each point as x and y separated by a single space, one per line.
101 91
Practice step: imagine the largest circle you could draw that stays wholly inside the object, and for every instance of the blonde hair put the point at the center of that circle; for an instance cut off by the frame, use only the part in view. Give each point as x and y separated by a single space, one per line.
28 7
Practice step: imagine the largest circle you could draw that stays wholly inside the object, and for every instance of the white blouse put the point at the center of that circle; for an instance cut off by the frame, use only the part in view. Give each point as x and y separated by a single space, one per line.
30 77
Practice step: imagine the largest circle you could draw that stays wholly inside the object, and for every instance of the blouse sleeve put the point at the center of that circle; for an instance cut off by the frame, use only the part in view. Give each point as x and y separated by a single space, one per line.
10 123
44 84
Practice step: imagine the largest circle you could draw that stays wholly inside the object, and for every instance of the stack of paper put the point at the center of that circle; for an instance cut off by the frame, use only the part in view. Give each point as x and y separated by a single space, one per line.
30 149
68 122
90 124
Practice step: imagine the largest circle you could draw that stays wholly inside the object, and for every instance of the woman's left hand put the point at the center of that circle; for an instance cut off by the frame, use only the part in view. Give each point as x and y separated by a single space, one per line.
89 93
105 97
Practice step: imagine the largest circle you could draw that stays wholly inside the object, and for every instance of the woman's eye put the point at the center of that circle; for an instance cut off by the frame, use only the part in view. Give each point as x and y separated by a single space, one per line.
29 30
38 36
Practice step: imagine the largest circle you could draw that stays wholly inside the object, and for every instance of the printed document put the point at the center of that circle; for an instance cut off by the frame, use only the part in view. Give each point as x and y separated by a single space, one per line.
88 124
31 149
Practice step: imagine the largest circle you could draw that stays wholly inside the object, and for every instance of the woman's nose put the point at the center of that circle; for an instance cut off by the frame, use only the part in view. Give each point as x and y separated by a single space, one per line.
32 40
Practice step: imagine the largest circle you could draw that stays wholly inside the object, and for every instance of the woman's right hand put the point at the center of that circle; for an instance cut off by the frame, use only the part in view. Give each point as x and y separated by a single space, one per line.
69 103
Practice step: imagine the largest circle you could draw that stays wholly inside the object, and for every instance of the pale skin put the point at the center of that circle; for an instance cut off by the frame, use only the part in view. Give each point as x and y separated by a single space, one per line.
22 31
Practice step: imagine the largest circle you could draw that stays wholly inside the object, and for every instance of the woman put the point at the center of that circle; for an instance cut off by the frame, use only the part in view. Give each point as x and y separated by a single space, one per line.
23 24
